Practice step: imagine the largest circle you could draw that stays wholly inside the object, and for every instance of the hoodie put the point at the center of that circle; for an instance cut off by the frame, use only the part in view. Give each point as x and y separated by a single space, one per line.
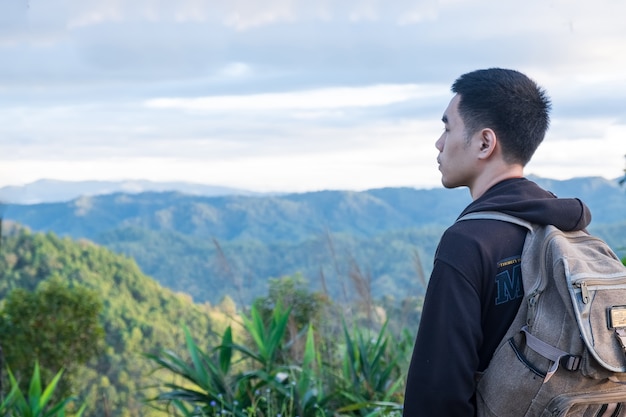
474 293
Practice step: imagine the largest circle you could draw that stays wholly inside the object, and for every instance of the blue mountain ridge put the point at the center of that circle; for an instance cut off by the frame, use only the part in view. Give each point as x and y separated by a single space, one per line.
210 246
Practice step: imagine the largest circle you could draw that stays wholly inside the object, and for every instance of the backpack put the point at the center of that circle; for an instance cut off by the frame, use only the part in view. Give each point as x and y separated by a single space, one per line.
565 352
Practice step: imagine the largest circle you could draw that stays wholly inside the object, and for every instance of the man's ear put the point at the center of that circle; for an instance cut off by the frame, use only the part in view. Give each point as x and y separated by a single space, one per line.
488 142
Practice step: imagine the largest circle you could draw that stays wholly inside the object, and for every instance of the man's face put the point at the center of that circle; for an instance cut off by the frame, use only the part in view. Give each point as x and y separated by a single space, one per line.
456 161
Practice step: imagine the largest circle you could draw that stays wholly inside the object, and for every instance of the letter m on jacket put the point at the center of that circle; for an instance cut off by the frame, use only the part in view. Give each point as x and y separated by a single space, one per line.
509 284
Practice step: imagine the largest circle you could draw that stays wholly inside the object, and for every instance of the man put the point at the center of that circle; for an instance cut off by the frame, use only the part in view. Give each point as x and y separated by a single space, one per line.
493 125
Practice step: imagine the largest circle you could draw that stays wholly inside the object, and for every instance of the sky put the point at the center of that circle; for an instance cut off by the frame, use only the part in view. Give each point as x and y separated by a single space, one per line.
292 95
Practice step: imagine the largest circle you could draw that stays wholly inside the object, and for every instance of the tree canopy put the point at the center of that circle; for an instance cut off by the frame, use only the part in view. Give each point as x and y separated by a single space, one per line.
57 325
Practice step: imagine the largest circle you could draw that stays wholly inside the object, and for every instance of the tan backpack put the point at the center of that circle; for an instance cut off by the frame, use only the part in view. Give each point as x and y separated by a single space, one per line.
565 352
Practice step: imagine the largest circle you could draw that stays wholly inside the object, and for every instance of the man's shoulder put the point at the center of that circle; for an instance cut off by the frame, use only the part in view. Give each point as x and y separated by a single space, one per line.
465 236
479 235
474 228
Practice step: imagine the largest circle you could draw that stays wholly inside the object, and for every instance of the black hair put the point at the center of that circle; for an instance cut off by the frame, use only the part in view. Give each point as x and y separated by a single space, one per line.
509 103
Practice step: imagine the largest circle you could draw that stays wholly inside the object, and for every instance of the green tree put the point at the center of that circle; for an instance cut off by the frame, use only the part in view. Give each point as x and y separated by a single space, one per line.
306 307
138 316
56 325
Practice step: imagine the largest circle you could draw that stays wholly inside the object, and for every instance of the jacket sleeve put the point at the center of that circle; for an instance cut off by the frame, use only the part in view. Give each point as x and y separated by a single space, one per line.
441 377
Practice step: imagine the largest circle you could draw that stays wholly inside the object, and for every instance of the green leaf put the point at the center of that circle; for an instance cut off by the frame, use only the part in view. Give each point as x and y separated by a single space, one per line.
8 400
247 352
34 391
256 329
308 365
57 409
198 372
226 350
278 327
20 402
49 390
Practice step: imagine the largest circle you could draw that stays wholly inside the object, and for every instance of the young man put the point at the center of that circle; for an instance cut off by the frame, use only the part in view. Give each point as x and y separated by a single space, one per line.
493 125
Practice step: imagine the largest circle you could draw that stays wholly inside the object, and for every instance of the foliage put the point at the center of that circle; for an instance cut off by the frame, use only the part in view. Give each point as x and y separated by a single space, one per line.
242 380
243 267
138 315
238 380
56 325
38 400
370 374
291 361
305 307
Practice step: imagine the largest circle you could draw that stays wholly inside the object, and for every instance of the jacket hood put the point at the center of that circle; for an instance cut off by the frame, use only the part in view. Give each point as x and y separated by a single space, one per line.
523 198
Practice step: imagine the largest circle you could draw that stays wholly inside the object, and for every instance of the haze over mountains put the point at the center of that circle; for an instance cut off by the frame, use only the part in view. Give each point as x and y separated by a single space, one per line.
50 191
212 246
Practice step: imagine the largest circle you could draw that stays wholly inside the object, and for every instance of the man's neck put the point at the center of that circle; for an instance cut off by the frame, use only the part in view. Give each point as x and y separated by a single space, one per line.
489 178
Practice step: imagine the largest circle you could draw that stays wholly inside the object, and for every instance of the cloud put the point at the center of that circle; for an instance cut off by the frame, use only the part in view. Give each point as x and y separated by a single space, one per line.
147 37
144 45
327 98
381 154
247 14
306 121
348 91
13 16
562 157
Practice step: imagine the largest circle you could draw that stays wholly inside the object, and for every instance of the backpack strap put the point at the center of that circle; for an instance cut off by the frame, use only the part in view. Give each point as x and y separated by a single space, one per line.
496 215
557 356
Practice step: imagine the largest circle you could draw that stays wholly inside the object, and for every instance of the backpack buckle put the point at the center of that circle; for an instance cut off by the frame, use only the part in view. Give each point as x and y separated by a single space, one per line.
570 362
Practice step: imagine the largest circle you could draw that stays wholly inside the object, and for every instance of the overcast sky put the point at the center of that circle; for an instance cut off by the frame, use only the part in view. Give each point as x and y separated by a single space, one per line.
292 95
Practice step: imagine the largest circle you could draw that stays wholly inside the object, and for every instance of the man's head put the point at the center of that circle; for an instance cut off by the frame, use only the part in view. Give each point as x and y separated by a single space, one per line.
510 104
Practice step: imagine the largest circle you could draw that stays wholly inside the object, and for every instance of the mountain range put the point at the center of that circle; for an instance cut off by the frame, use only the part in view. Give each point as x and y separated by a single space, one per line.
212 246
51 191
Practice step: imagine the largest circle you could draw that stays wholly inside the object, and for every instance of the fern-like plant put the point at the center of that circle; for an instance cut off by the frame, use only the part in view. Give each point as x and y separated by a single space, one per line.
38 401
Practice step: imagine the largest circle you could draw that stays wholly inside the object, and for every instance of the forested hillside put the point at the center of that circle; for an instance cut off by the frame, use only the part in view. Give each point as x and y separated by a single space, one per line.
370 252
139 315
287 218
209 247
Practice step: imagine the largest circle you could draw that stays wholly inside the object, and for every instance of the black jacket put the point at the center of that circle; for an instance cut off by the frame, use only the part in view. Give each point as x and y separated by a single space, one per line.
474 293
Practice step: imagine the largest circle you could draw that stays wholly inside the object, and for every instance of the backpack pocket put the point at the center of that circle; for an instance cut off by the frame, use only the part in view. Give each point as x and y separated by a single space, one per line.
597 404
600 309
509 375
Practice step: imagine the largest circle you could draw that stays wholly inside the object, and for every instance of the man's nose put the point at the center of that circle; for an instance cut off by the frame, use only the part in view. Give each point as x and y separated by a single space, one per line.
439 143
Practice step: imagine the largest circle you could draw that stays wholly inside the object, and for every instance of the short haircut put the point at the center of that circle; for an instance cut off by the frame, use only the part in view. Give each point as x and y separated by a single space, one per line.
509 103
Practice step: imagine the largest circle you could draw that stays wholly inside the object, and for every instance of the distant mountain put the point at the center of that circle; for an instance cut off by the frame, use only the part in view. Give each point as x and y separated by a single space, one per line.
284 218
288 217
50 191
212 246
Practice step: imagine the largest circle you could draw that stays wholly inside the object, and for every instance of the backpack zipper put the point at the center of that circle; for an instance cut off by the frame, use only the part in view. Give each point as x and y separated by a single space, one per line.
532 307
584 291
617 281
540 285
